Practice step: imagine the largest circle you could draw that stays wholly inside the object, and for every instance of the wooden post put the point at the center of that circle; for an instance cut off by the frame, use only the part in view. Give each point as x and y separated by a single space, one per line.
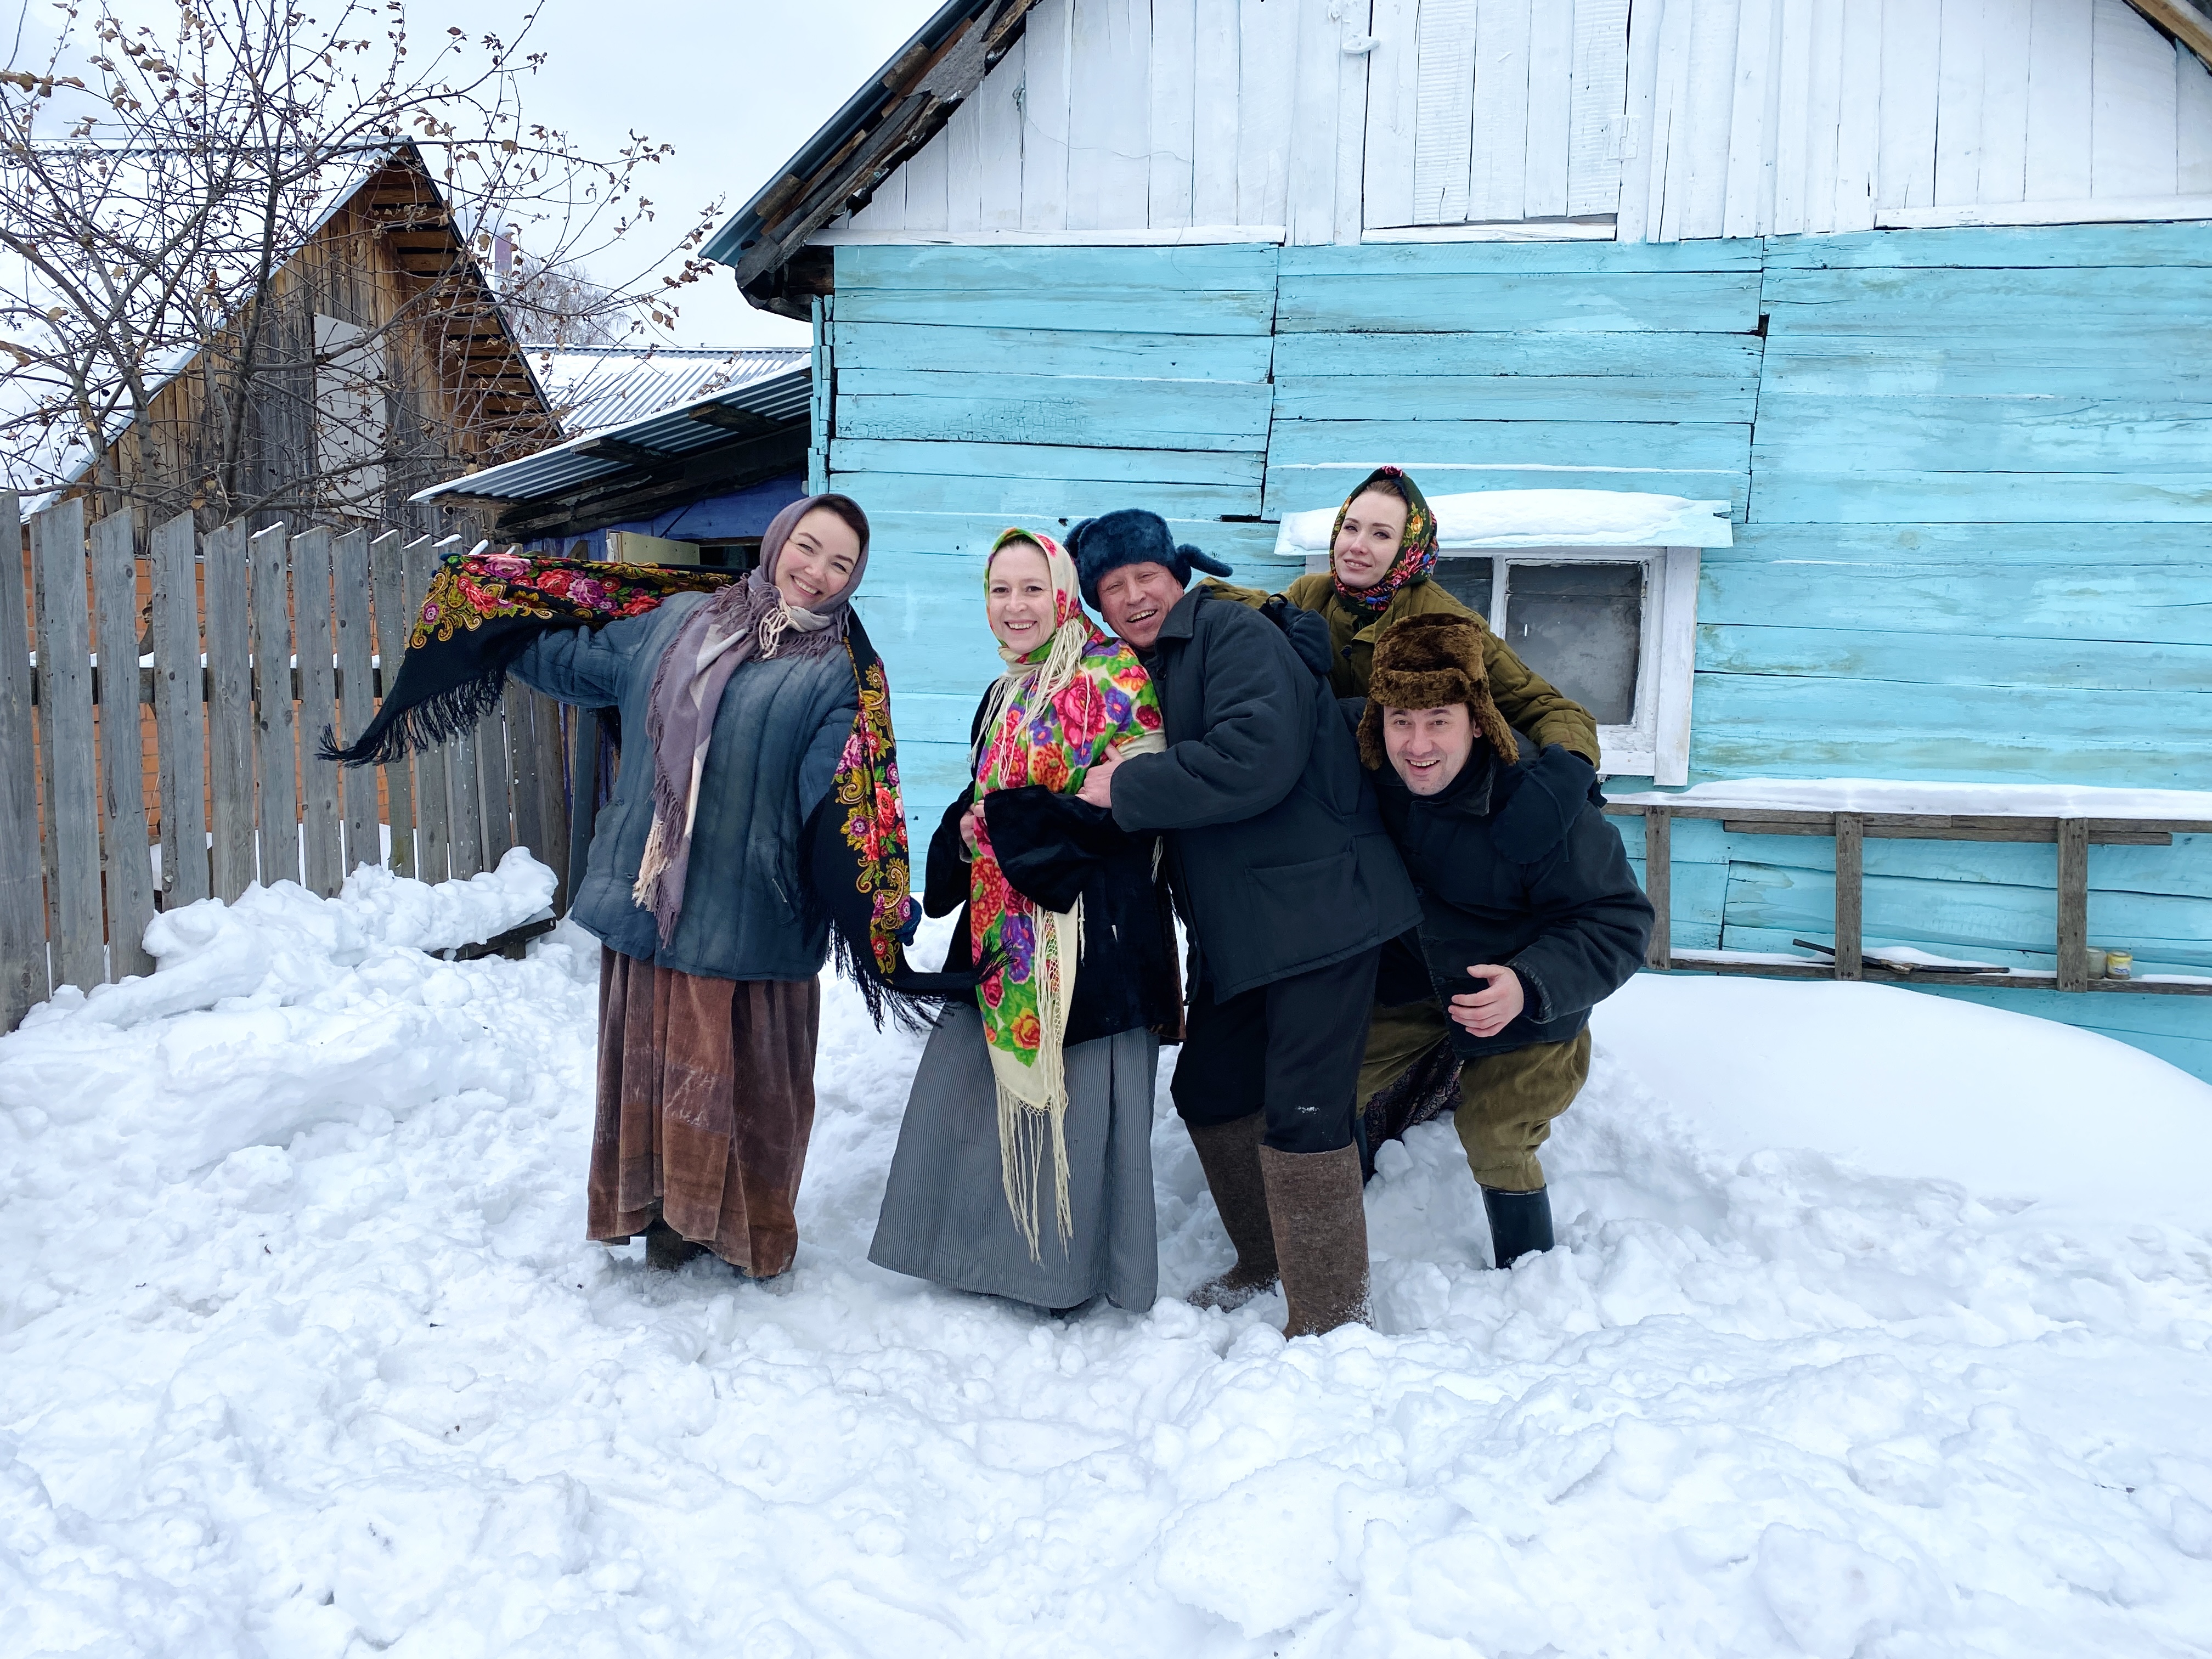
2073 904
179 714
394 622
129 860
1850 894
229 710
356 687
434 842
318 711
22 878
1658 880
276 751
65 735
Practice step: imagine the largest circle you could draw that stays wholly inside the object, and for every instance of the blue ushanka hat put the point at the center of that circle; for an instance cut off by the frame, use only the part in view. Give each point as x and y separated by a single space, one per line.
1131 536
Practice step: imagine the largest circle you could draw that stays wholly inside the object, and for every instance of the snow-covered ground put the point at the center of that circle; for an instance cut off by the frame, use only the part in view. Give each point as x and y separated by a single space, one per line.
1879 1328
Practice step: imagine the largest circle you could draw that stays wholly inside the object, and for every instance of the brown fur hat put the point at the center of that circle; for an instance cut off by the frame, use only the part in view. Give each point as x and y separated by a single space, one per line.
1432 661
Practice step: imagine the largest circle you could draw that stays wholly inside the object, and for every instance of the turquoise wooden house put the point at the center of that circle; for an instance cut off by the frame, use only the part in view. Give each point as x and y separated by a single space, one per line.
1904 304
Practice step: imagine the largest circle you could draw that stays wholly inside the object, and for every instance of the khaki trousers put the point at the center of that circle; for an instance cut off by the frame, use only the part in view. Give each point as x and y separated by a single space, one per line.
1506 1102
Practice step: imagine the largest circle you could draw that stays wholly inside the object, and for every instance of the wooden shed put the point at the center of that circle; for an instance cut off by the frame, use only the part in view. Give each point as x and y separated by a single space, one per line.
1918 288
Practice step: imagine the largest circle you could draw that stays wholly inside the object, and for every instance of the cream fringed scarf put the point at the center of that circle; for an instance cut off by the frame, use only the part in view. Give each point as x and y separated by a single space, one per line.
1056 713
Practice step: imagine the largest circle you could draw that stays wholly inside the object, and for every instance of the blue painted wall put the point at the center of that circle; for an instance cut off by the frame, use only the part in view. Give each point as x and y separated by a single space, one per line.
1971 471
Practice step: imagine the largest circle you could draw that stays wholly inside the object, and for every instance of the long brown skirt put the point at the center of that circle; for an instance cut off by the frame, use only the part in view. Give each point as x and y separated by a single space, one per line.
706 1102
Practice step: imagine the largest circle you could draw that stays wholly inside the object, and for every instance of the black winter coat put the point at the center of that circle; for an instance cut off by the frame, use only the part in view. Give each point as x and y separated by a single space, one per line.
1054 849
1278 859
1516 865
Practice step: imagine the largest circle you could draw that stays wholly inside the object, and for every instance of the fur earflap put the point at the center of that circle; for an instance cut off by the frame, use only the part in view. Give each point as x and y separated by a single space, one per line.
1432 661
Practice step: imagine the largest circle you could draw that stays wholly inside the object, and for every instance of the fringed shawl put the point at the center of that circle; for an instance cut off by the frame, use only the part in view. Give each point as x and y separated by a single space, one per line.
481 613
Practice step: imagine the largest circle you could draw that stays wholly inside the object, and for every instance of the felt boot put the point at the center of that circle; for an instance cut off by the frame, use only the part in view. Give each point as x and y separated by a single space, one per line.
1321 1236
1230 1154
667 1249
1520 1223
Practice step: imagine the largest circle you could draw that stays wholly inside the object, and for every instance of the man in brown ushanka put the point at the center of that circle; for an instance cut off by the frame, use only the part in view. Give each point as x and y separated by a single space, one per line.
1530 915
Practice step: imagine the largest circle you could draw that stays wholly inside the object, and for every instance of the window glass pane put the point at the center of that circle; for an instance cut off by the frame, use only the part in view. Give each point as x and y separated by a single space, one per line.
1467 580
1581 627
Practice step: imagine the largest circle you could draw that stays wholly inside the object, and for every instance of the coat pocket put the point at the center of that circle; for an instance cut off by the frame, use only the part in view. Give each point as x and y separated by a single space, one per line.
1314 886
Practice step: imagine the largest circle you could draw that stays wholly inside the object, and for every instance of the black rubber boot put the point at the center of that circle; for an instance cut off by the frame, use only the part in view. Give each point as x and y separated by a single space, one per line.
1520 1223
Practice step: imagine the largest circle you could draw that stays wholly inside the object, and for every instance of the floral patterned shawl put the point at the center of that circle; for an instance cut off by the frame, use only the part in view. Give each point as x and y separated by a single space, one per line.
482 612
1417 553
1051 718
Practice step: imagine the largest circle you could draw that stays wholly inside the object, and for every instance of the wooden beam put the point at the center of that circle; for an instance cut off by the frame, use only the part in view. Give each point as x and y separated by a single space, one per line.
2183 22
1658 882
1850 894
2073 904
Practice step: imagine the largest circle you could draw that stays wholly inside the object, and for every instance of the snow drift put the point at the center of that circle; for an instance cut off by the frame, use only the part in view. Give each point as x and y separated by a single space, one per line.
1852 1346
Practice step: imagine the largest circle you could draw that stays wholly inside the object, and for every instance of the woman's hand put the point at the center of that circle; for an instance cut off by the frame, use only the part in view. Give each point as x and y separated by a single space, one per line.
1098 782
1495 1006
970 822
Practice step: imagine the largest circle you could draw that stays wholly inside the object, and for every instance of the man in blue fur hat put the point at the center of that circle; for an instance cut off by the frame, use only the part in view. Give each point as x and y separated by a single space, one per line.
1288 886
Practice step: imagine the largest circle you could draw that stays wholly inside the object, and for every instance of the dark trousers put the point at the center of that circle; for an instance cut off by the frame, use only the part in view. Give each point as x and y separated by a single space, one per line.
1290 1049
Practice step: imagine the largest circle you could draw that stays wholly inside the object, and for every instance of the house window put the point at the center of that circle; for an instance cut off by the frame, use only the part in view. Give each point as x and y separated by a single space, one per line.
1612 626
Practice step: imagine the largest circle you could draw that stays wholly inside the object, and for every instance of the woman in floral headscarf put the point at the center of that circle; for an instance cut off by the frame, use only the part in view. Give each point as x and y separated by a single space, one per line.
1024 1165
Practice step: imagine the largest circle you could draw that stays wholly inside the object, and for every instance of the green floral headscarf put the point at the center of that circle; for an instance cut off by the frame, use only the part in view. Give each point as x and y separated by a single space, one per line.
1417 553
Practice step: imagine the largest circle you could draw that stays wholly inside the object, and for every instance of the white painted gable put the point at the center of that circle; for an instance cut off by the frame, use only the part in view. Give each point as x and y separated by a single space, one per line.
1335 120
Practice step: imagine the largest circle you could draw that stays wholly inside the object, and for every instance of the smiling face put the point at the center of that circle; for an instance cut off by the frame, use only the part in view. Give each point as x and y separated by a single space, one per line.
1428 746
1367 541
1017 599
1135 600
818 561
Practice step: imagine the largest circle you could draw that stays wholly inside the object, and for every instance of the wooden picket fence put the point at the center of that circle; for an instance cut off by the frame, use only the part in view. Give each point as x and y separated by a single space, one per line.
218 748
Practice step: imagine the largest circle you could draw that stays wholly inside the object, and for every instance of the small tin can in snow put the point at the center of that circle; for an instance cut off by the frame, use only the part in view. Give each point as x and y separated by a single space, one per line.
2119 964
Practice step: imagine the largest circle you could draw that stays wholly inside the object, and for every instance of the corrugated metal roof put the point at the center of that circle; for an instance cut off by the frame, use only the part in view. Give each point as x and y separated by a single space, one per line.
596 388
760 405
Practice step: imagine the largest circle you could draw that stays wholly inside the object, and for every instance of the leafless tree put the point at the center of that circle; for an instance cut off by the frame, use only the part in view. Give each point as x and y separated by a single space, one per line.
251 262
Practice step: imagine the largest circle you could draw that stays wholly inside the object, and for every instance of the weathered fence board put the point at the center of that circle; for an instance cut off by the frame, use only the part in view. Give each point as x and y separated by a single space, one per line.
65 734
433 799
552 784
524 801
22 898
229 710
464 800
180 714
356 696
394 620
319 710
127 860
494 771
276 753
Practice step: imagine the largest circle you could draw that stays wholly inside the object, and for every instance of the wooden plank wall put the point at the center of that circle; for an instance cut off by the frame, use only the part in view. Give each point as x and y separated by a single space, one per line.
1973 517
290 616
1505 365
976 388
1683 118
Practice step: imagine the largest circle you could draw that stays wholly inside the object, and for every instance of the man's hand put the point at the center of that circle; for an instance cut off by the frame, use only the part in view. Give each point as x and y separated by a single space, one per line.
1497 1006
970 821
1098 782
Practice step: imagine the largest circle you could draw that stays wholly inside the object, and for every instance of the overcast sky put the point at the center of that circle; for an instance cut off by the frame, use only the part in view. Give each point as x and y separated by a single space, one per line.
735 85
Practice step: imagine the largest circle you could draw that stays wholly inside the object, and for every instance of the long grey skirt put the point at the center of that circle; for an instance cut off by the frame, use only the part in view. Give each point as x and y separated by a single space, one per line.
945 1215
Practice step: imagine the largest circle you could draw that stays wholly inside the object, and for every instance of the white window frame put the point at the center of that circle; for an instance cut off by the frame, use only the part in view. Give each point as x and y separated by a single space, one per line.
1655 743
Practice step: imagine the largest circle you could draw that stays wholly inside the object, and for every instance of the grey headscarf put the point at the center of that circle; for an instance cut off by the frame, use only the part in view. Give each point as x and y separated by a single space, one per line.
746 620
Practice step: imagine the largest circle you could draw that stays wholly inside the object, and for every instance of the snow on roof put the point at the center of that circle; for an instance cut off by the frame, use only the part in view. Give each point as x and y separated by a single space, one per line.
1541 518
145 181
593 388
